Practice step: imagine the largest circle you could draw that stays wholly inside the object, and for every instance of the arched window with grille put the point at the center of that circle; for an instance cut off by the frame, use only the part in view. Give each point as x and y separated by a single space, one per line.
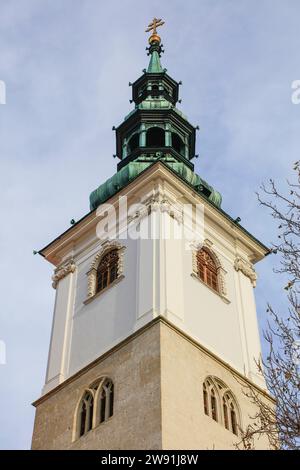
107 271
220 404
206 269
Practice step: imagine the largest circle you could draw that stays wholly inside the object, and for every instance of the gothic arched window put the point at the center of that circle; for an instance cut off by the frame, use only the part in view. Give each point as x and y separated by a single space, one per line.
220 405
95 407
230 414
155 137
107 271
207 269
106 400
86 412
210 399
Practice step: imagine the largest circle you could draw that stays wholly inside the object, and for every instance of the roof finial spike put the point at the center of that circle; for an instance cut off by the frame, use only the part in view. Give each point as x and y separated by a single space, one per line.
155 48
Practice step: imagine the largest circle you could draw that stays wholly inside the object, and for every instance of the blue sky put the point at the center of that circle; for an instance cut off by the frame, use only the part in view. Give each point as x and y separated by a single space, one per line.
66 65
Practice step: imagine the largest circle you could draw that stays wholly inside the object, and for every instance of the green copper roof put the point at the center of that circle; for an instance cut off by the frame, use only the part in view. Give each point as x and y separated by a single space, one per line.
154 64
157 99
132 170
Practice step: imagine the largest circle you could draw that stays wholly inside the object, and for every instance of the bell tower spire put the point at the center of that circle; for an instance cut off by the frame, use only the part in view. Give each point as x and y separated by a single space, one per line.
155 48
155 130
155 64
154 312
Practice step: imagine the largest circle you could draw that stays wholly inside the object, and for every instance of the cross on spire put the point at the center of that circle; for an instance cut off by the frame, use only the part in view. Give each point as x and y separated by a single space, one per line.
155 24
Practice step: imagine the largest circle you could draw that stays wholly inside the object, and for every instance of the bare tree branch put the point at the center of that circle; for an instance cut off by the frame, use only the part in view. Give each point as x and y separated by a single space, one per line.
281 368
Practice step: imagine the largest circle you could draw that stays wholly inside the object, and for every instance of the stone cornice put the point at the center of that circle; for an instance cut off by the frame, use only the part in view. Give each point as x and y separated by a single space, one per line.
134 335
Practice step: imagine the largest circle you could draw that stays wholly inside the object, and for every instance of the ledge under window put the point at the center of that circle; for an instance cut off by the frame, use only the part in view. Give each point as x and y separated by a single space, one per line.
116 281
227 301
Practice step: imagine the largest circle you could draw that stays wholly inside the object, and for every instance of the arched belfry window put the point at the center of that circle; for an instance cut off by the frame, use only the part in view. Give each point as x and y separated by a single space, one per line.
154 90
155 137
220 404
207 269
178 144
106 269
133 143
95 407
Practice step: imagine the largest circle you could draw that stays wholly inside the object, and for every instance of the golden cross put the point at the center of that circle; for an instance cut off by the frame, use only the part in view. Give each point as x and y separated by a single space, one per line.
155 24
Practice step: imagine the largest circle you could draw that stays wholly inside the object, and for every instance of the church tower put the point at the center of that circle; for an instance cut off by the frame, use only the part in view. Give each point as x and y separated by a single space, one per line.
154 331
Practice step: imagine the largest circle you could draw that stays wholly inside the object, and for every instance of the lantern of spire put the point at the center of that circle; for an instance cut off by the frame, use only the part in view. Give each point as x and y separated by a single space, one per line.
155 130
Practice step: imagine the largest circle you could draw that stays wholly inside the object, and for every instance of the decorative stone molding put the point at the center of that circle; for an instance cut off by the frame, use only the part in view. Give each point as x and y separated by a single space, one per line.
62 271
221 276
107 246
92 281
221 272
208 244
240 264
153 204
195 247
174 212
157 203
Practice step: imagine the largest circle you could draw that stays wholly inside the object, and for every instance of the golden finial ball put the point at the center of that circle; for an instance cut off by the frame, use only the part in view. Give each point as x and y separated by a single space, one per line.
154 38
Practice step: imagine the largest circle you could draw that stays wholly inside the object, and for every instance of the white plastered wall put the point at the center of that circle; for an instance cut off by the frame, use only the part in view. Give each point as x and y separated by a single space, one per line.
157 281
